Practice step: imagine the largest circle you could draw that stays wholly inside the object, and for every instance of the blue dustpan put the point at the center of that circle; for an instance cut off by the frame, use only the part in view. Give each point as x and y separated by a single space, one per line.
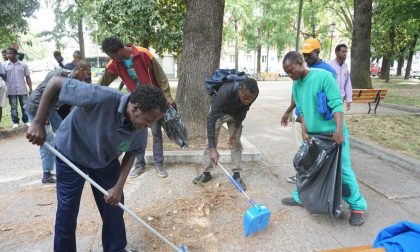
256 218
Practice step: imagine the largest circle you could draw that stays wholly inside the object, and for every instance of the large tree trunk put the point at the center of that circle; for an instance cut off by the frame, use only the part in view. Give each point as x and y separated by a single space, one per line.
400 62
81 39
202 42
385 68
361 41
410 55
391 54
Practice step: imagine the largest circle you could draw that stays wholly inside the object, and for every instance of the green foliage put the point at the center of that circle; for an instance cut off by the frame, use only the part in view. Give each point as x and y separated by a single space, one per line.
13 21
156 23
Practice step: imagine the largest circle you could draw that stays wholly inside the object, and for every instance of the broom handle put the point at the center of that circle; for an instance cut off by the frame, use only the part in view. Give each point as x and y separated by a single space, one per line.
102 190
250 201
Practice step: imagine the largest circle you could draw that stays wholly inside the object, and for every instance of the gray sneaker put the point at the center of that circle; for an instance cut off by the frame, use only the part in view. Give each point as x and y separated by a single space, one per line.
160 170
137 171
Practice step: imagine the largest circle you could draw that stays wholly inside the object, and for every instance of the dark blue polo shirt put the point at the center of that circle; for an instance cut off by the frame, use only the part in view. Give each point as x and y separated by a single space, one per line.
96 131
323 65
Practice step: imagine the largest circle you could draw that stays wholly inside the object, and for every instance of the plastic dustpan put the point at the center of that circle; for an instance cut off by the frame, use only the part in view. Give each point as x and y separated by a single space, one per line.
256 218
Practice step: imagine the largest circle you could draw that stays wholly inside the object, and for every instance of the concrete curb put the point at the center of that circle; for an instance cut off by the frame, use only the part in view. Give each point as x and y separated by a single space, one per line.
11 132
249 154
385 154
400 107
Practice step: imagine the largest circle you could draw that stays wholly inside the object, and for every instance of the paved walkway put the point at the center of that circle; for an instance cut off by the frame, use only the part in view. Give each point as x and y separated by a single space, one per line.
209 218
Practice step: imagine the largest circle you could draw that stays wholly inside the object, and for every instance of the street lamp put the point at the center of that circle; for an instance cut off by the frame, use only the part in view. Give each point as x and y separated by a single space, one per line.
331 29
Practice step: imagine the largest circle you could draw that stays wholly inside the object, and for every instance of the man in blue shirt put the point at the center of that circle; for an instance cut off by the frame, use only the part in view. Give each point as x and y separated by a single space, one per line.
103 124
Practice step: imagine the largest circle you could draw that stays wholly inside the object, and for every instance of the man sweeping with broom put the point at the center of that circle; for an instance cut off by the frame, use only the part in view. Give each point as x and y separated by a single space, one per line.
104 124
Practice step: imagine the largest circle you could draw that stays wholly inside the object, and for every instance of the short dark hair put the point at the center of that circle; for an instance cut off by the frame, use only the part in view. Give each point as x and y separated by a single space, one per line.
339 46
111 45
57 53
77 52
292 57
149 97
250 85
4 51
12 49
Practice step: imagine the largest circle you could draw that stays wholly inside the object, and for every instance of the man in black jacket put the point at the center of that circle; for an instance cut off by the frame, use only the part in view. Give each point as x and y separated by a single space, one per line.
230 105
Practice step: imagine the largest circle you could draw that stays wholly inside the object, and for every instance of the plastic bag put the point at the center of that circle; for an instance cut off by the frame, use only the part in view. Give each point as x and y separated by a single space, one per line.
319 182
174 128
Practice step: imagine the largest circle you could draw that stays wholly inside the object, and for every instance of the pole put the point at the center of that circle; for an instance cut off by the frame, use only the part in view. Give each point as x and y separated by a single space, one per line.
298 24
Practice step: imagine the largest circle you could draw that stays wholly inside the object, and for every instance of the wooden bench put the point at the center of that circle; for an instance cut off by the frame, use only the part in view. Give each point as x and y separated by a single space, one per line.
369 96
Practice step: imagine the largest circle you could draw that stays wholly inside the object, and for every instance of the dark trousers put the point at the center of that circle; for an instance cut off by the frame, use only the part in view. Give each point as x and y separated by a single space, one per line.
13 101
69 191
157 146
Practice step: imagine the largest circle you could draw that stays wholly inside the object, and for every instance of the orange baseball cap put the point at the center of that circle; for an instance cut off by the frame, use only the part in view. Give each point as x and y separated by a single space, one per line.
310 44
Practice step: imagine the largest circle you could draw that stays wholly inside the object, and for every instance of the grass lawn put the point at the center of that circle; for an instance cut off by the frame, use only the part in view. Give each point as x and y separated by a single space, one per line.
400 91
396 132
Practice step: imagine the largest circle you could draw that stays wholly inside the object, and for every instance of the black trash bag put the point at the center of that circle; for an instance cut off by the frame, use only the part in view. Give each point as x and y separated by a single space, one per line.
174 128
319 182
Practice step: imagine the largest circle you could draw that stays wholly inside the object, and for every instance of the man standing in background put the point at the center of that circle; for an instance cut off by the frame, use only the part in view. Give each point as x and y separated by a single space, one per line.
3 90
343 74
17 77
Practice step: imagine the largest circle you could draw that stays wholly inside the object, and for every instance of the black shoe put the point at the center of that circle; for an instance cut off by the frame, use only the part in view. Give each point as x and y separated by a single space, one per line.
241 183
290 202
127 250
357 218
291 179
49 180
203 178
138 170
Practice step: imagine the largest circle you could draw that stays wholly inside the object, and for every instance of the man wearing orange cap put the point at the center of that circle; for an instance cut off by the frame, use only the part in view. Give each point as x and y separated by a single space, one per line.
311 49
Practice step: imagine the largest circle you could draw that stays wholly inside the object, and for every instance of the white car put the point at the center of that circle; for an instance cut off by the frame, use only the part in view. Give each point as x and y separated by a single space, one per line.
415 71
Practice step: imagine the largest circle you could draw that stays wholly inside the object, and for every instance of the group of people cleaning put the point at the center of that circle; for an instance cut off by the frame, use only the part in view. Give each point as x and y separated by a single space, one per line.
105 123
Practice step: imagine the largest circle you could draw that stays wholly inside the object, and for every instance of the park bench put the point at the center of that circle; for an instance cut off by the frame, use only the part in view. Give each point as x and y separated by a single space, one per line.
369 96
269 76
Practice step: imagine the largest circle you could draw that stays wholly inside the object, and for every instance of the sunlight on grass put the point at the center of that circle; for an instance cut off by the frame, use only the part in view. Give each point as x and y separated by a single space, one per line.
395 132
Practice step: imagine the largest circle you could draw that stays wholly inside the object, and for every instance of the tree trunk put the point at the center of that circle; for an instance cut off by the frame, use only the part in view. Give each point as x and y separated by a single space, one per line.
391 53
202 42
259 58
81 39
361 41
385 68
410 55
400 62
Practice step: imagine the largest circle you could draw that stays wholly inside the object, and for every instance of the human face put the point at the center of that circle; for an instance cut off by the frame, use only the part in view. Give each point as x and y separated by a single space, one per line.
245 96
83 73
120 55
4 56
295 71
342 54
76 57
11 56
143 119
311 58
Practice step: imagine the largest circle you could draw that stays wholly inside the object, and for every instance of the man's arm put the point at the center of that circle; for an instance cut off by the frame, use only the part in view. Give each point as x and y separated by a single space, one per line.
338 134
286 115
29 82
36 132
115 193
348 89
160 77
107 78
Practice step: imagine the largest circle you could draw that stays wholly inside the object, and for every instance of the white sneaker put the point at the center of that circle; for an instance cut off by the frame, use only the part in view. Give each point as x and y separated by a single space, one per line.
15 125
27 124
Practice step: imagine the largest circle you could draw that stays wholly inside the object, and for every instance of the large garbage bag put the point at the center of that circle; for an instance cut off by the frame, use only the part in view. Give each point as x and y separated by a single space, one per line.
174 128
319 182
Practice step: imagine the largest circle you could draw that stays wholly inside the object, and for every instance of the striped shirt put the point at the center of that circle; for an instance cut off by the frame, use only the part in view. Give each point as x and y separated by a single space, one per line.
15 80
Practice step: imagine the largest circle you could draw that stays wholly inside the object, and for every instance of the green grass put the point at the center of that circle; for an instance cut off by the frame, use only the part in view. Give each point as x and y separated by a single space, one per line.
400 91
6 120
396 132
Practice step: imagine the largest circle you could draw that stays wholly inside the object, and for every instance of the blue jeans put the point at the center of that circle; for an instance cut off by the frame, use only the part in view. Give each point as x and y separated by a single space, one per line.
69 191
157 146
47 158
13 101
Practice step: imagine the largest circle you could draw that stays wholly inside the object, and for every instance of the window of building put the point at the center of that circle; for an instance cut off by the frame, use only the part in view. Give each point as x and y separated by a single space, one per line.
264 58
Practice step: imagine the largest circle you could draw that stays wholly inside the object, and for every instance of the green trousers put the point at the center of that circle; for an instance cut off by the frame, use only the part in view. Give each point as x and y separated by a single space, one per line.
351 193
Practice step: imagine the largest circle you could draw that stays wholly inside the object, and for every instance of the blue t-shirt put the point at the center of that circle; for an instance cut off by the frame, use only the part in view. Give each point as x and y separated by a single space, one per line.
96 131
323 65
128 64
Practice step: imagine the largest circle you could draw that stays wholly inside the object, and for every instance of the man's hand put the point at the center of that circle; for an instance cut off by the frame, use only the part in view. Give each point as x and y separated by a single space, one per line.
36 133
348 106
338 137
214 155
285 119
171 101
232 138
305 136
114 196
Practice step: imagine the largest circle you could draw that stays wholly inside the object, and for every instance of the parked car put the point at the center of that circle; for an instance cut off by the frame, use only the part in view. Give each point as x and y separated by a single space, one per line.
375 69
415 71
